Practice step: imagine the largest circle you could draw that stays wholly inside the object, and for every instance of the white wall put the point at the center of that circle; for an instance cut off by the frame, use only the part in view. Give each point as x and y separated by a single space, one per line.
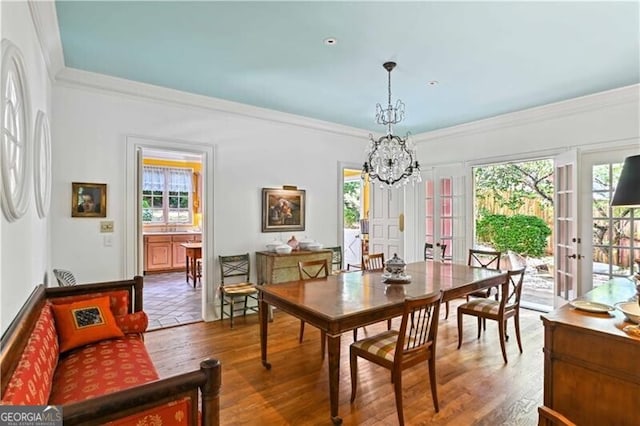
605 119
91 127
24 244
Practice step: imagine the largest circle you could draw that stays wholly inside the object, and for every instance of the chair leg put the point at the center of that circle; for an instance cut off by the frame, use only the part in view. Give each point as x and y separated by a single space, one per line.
432 379
244 310
301 331
459 329
502 343
516 319
446 310
355 334
353 366
232 308
397 387
479 326
388 324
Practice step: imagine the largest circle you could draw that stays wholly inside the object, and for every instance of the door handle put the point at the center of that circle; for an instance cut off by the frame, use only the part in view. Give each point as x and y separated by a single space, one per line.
572 256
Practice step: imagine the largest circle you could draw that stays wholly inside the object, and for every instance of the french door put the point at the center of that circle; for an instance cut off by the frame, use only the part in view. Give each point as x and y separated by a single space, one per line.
445 218
567 241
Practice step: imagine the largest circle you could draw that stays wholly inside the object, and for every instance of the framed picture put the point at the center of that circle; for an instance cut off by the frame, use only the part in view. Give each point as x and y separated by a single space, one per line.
88 199
283 210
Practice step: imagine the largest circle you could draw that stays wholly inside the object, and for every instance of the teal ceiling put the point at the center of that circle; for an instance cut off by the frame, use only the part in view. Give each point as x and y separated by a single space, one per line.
489 58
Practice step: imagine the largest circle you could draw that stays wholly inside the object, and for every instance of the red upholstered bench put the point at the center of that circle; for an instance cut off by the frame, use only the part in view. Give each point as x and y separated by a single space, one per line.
82 347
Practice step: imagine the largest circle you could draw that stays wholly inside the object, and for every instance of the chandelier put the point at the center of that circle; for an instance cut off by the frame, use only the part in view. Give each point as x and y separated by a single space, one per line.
391 159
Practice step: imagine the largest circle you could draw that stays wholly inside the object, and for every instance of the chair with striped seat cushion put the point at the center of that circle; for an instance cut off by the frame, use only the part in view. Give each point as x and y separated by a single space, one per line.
236 267
372 262
413 344
500 311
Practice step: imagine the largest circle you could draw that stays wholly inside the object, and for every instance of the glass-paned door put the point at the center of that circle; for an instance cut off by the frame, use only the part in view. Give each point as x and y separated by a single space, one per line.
616 230
445 215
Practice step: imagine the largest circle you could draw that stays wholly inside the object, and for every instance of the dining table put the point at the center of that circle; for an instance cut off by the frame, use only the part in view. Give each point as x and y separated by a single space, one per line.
340 303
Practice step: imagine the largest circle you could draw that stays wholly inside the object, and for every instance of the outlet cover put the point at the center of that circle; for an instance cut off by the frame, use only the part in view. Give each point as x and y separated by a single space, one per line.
106 226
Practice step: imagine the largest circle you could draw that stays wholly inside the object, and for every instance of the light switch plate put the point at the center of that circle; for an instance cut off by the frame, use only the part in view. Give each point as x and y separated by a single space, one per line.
106 226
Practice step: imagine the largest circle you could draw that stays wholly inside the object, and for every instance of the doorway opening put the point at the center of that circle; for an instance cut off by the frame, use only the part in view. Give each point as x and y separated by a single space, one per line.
171 221
513 208
355 217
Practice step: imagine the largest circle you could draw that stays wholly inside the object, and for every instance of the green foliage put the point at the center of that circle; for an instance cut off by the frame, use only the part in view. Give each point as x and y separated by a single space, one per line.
511 183
147 215
525 235
351 191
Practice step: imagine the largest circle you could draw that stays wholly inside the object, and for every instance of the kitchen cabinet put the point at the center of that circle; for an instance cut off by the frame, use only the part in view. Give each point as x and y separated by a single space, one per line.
164 253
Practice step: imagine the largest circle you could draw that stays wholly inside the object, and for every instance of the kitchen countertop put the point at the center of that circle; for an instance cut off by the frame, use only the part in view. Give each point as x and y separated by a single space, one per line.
171 232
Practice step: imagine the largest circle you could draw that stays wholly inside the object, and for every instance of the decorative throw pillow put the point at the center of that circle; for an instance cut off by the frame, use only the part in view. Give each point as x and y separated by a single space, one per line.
136 322
84 322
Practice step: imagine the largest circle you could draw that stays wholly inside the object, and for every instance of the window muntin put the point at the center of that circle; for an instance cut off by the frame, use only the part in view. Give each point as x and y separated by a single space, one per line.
166 195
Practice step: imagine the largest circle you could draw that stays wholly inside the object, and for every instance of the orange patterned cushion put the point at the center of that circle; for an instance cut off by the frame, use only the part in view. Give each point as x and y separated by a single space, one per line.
133 323
101 368
84 322
118 300
174 413
30 383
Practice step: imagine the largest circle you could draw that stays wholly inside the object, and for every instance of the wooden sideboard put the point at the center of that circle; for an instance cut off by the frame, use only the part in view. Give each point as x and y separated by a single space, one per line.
591 366
278 268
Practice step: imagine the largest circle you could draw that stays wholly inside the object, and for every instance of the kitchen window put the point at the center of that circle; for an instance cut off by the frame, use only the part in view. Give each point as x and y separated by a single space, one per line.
166 195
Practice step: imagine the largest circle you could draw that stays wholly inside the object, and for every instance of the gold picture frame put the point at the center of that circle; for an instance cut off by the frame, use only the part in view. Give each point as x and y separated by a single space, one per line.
88 199
283 210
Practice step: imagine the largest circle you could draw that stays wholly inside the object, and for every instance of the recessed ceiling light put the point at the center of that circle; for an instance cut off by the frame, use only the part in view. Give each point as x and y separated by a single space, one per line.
330 41
433 83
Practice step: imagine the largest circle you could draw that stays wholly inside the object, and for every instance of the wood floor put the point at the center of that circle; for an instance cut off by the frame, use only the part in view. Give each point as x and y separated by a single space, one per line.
475 387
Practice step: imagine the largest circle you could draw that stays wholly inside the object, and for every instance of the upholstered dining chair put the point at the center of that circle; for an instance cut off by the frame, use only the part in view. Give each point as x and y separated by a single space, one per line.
236 268
398 350
499 311
313 270
550 417
372 262
65 278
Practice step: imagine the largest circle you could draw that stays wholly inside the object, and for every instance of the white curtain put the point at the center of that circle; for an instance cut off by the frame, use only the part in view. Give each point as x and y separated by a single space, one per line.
153 179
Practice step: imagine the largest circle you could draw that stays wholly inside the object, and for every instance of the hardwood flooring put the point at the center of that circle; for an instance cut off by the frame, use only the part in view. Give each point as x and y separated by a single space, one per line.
475 387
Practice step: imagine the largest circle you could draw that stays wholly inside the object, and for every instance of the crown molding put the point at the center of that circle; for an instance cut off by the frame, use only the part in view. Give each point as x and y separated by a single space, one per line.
45 21
609 98
74 78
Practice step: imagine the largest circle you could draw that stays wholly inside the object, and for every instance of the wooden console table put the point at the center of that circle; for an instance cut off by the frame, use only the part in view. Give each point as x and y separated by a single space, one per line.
591 366
279 268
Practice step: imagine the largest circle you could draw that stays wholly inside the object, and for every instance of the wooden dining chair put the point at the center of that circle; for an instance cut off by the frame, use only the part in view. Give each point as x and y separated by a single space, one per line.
236 268
487 308
550 417
336 260
488 259
398 350
312 270
428 251
372 262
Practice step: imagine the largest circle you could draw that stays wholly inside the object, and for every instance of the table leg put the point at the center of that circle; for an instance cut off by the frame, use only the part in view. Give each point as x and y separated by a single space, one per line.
334 376
186 261
263 311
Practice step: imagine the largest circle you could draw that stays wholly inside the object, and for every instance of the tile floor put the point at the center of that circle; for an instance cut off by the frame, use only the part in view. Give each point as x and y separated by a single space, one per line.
170 301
